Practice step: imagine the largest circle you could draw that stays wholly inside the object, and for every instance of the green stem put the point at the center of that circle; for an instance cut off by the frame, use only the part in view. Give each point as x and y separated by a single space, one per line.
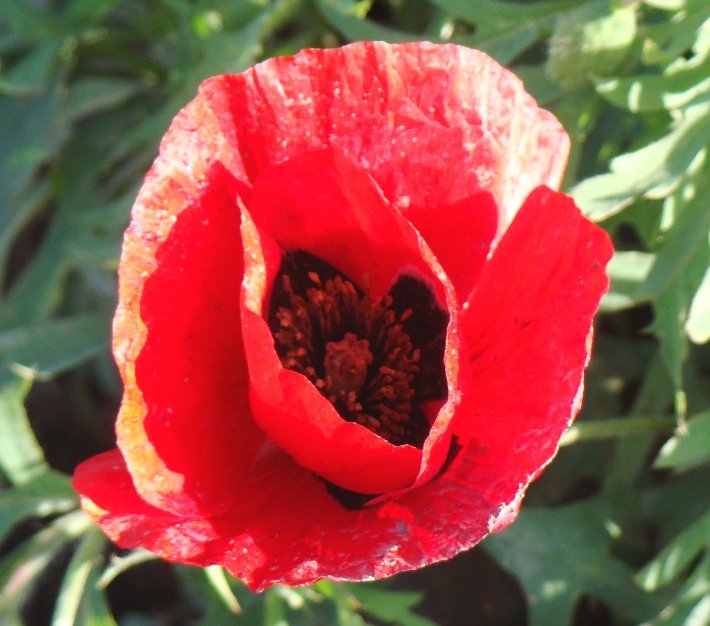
618 427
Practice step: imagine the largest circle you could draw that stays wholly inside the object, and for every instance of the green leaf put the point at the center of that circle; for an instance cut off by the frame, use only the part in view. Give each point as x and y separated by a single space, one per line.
689 447
22 566
88 11
21 458
97 93
26 19
504 29
590 40
562 554
121 564
346 17
627 270
538 84
656 92
698 324
94 610
389 605
501 15
506 44
30 133
668 5
616 427
57 345
220 584
676 556
692 606
226 52
667 41
47 494
654 170
683 243
25 208
34 71
88 555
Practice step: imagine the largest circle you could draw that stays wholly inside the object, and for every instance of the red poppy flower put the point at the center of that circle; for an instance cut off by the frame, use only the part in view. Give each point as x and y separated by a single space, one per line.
342 355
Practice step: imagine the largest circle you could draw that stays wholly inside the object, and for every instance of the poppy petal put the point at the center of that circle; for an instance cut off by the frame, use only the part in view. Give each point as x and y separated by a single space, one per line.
375 104
460 235
110 497
192 371
286 528
527 330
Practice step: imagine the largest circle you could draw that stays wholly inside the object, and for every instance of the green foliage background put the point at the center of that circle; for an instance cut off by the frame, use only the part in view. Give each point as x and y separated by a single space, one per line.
620 520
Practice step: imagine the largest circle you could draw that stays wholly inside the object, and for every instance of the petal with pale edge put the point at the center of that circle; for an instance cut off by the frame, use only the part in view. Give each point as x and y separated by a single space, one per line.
431 124
415 157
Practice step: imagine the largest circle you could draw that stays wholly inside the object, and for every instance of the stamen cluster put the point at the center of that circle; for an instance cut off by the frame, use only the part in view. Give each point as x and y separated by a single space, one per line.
353 349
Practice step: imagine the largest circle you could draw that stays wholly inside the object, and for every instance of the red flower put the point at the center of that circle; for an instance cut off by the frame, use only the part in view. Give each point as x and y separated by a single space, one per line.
381 390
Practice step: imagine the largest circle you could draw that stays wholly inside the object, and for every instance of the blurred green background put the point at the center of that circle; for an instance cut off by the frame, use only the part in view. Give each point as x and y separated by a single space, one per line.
617 530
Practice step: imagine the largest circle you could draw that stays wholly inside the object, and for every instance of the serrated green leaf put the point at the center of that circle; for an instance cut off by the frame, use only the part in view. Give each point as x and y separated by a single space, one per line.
21 458
561 554
654 170
688 448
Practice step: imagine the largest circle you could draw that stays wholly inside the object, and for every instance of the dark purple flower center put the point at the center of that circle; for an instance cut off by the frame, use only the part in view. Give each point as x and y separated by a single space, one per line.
364 354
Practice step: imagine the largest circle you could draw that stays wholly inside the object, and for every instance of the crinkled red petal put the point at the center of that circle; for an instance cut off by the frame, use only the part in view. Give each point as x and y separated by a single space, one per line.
432 124
287 528
192 370
460 235
110 497
527 327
